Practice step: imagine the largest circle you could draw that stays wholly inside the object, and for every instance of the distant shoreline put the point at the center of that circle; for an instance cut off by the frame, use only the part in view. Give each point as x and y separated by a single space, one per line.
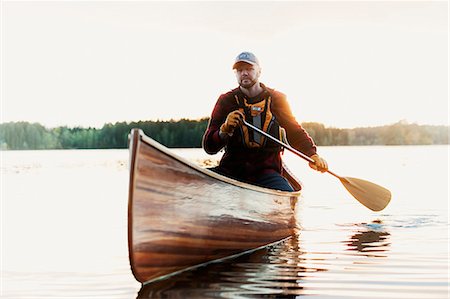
185 133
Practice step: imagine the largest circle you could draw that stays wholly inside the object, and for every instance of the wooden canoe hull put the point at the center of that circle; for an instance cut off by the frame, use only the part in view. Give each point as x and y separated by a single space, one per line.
181 215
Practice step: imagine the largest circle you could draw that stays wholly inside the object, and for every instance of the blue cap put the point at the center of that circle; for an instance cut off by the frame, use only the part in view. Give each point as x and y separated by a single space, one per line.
246 57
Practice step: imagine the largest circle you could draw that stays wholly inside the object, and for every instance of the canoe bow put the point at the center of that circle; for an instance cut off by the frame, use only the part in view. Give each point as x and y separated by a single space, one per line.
181 216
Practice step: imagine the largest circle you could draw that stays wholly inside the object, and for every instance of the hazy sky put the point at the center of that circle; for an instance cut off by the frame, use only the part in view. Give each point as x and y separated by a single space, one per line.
344 64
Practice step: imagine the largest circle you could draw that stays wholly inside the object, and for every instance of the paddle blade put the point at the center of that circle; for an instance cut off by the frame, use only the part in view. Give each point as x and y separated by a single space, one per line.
369 194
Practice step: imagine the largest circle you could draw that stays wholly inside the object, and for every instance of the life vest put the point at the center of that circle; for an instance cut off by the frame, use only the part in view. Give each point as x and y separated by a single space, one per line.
260 115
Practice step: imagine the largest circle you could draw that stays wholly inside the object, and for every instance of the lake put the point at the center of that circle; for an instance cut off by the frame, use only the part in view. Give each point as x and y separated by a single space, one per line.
64 230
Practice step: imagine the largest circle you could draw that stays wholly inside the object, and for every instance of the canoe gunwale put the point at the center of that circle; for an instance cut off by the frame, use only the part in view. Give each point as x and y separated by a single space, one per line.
210 173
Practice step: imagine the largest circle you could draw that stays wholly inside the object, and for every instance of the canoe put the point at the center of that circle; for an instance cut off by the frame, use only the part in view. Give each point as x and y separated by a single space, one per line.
182 216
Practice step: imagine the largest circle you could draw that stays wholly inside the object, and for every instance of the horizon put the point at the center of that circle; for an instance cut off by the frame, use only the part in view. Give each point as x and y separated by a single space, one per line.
341 64
402 122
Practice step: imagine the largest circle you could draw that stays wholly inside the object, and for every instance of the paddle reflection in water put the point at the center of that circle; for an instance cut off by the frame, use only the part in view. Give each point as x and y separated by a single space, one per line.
371 243
285 270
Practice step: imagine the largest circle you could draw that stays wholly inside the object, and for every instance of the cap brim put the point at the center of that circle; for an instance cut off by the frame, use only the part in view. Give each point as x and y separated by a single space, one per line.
244 61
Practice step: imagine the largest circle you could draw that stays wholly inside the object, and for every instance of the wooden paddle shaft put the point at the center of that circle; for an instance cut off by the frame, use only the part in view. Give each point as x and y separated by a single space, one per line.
369 194
287 146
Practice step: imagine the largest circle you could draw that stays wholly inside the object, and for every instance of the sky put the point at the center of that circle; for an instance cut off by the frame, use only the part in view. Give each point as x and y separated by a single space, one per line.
341 63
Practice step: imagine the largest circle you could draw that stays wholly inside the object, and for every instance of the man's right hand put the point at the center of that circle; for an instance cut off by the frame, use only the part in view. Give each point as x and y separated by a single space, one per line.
234 118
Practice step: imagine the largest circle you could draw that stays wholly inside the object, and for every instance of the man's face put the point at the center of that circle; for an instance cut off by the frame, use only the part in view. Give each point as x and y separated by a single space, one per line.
247 75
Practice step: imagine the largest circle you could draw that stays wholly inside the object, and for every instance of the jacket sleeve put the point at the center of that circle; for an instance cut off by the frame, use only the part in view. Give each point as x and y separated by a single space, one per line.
297 136
212 143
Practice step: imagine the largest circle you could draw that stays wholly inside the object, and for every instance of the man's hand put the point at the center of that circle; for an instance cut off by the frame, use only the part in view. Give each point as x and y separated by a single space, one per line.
233 120
319 163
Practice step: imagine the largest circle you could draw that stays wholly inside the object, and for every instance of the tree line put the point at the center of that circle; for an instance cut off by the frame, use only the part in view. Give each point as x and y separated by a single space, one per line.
187 133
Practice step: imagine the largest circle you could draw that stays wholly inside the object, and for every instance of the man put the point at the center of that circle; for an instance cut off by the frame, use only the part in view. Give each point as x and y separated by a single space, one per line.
249 156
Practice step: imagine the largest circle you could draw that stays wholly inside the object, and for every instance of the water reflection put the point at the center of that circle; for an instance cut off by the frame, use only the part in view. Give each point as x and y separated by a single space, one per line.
273 270
372 240
267 271
285 270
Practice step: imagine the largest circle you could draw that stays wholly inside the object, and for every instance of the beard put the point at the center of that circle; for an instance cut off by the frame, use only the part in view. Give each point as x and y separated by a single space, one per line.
247 82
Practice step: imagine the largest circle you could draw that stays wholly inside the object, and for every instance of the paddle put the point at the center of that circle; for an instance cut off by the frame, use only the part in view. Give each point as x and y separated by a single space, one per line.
369 194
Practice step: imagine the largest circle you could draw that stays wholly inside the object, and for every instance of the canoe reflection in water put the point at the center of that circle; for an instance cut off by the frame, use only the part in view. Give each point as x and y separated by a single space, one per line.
285 270
273 270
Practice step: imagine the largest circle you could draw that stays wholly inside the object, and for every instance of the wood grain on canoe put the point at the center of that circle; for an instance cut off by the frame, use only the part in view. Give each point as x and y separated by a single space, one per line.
181 215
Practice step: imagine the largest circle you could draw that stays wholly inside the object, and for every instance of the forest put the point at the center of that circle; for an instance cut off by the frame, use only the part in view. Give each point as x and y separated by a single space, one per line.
187 133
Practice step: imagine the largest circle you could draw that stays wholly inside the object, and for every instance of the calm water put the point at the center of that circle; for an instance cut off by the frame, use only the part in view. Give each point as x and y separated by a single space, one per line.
64 231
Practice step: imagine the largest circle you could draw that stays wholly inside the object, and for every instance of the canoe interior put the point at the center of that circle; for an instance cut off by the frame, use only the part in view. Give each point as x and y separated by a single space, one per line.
181 215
